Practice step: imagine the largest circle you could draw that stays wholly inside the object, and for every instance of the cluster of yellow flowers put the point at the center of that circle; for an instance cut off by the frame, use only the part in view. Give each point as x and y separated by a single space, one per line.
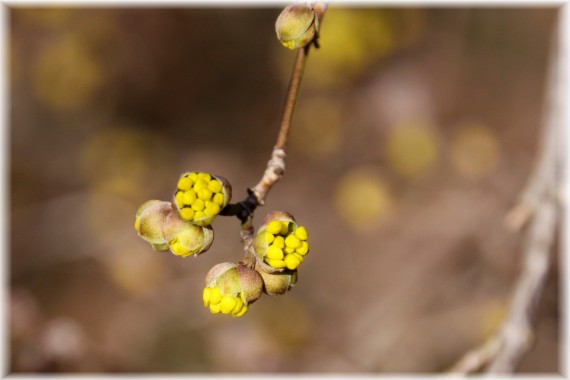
183 227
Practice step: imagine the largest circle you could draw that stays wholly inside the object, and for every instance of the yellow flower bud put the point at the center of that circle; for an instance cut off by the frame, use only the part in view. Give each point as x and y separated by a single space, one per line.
149 220
184 238
297 26
280 242
203 193
277 283
230 288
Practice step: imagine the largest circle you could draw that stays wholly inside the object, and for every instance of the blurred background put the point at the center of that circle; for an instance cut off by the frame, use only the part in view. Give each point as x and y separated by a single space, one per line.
414 133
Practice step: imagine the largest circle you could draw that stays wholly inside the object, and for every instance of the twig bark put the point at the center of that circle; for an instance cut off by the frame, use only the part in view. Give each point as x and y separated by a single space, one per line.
539 208
276 165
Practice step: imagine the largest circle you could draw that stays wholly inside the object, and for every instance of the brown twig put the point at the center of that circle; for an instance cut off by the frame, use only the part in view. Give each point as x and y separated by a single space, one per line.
276 165
538 207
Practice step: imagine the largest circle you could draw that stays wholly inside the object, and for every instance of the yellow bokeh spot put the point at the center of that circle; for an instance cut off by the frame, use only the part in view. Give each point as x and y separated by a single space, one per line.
115 161
362 200
66 74
321 124
475 151
411 149
136 272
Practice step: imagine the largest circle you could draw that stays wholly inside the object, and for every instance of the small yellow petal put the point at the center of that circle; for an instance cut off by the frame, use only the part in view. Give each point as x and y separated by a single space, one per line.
189 197
242 312
276 263
206 297
187 213
212 209
199 215
289 250
178 249
279 242
193 176
205 194
298 256
185 183
274 252
215 186
301 233
200 184
292 262
218 198
204 176
292 241
198 205
303 249
274 227
215 295
227 305
268 237
215 309
238 307
179 198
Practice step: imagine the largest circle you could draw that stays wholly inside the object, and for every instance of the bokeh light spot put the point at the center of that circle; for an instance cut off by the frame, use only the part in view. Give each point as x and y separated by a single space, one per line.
66 74
362 199
475 151
320 128
411 149
136 273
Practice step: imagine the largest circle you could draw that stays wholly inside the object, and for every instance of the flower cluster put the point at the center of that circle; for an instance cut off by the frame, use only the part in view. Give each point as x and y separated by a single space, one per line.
183 227
280 242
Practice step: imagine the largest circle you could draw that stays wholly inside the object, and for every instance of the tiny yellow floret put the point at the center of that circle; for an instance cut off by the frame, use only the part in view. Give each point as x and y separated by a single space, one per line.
274 227
215 309
205 194
274 252
269 237
279 242
200 184
189 197
198 205
276 263
206 296
301 233
292 262
187 213
199 215
303 249
179 198
185 183
215 186
218 198
292 241
205 176
215 295
227 305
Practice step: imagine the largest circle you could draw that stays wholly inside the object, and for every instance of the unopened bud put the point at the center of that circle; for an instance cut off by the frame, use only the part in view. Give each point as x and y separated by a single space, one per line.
184 238
277 283
149 220
297 26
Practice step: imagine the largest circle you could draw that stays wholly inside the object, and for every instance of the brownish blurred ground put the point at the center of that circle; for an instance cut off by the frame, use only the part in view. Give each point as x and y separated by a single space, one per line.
415 131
